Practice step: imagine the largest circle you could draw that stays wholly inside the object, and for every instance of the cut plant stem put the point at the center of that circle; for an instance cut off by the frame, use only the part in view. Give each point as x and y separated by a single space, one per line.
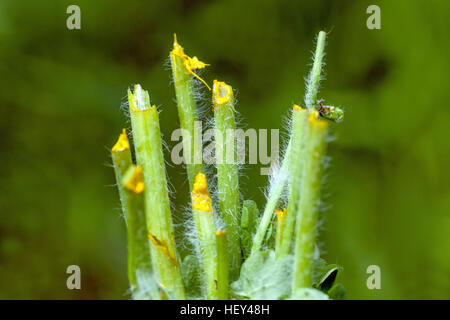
206 233
275 193
313 83
222 265
249 224
182 71
131 186
297 154
276 190
121 157
227 170
149 154
142 279
281 218
308 207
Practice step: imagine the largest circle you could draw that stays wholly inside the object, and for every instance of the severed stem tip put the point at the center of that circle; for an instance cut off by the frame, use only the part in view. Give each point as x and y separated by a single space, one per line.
200 195
133 180
222 93
139 99
122 143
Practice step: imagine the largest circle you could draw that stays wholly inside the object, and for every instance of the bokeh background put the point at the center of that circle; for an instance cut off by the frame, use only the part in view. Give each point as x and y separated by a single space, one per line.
388 186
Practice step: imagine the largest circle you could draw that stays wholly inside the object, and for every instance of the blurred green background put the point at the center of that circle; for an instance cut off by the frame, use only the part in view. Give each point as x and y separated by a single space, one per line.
388 186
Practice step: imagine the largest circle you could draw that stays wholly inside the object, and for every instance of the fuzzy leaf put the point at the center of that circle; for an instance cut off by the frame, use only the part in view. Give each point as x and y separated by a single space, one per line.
264 277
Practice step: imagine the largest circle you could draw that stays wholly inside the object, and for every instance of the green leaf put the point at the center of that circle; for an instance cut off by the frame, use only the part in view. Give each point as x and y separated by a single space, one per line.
249 223
264 277
325 275
308 294
337 292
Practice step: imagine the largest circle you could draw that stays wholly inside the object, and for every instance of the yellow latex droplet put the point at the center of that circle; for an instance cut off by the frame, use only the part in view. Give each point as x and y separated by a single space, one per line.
220 233
135 183
297 107
200 195
314 119
194 63
122 143
222 93
281 214
190 64
313 115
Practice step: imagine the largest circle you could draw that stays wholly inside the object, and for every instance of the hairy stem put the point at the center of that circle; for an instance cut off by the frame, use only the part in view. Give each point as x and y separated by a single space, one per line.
130 185
139 263
276 191
281 218
249 224
227 170
121 158
313 84
206 233
182 72
299 117
149 154
308 203
222 265
277 188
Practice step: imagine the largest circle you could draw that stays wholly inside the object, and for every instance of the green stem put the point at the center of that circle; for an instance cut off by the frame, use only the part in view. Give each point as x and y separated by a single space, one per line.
206 233
227 170
332 113
129 182
139 262
314 76
281 218
187 111
121 157
249 224
149 154
308 203
299 117
276 190
222 267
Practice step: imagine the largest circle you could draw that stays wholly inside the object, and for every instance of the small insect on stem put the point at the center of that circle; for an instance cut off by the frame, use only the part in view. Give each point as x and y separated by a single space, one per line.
330 112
